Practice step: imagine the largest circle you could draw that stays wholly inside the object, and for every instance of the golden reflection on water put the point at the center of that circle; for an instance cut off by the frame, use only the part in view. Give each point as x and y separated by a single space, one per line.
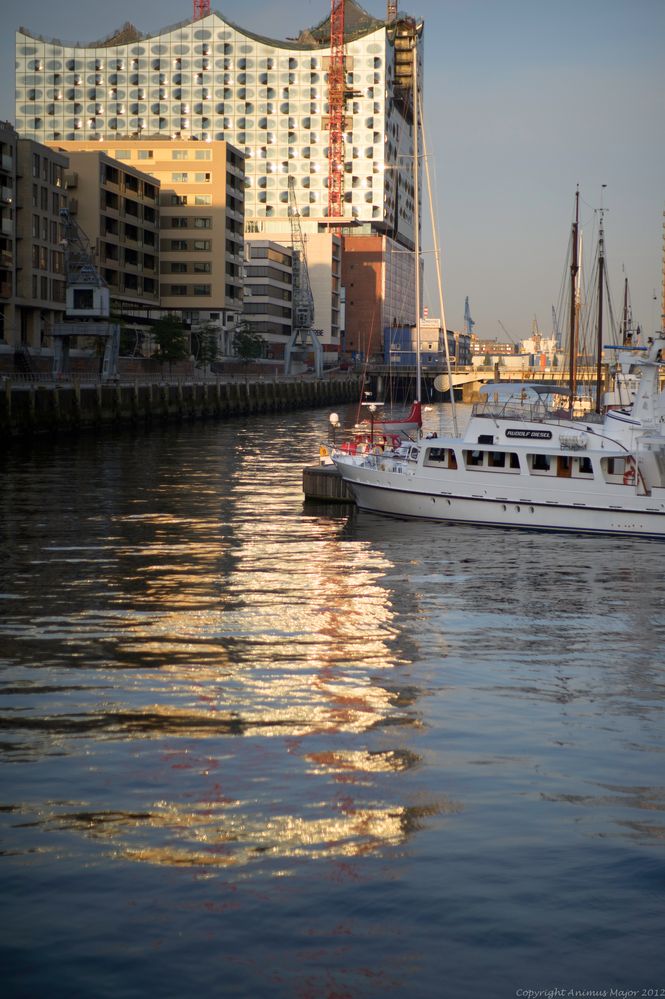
222 835
257 630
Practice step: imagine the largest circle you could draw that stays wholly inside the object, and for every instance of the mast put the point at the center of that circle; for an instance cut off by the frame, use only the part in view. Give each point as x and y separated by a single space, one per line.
416 199
601 283
437 258
574 270
627 317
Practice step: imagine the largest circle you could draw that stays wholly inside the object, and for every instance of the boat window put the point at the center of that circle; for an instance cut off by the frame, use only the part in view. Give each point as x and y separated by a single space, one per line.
474 458
582 466
440 456
497 459
514 460
540 463
413 453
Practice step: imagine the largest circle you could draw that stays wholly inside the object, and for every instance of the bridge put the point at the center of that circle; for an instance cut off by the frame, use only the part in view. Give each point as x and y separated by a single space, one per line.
467 381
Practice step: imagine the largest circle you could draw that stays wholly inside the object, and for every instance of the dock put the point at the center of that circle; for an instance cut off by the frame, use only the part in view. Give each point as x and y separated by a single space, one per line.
324 484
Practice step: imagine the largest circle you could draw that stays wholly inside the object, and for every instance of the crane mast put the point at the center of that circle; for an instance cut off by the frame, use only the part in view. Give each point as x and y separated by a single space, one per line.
303 301
336 108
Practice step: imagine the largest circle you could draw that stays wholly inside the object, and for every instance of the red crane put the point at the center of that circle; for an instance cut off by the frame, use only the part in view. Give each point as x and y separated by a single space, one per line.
336 108
201 8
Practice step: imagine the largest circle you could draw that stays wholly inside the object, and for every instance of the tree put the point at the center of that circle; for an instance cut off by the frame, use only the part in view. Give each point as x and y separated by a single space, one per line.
205 345
172 340
247 343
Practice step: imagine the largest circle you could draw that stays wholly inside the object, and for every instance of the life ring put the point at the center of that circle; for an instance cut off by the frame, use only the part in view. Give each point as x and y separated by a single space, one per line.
629 473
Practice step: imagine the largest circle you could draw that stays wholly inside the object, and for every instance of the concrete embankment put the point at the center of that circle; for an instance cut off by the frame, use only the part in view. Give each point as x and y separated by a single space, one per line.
34 408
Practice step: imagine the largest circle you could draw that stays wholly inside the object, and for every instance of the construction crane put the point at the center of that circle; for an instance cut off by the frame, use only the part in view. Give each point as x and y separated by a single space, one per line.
336 111
87 303
302 333
468 321
201 8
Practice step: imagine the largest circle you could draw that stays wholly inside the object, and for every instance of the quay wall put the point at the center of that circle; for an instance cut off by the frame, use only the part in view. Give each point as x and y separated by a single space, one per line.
31 408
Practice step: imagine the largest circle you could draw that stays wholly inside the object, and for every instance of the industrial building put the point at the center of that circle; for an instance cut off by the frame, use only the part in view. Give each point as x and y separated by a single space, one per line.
333 109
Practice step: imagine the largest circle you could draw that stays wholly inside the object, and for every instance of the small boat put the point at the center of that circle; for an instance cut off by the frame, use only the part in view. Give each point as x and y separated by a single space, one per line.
524 461
379 423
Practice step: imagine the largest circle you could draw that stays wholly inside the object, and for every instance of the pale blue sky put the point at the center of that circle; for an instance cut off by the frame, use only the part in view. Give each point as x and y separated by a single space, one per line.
524 99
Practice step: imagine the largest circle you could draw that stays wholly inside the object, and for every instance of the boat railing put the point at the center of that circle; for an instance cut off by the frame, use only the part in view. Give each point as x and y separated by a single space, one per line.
528 411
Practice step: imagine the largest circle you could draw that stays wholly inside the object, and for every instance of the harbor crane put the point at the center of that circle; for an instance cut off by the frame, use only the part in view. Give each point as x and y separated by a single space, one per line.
468 321
302 333
87 304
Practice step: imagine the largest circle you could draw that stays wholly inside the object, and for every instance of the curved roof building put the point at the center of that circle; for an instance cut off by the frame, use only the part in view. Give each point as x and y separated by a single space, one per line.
211 80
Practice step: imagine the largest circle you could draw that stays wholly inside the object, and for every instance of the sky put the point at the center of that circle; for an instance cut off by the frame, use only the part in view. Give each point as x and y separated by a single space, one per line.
524 100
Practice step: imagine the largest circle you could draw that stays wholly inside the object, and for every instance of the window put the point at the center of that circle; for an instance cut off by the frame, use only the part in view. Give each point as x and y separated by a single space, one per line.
123 154
180 154
180 178
203 154
202 199
203 223
145 154
540 463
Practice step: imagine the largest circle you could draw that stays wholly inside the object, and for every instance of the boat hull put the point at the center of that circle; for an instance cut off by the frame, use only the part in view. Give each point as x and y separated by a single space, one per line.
373 495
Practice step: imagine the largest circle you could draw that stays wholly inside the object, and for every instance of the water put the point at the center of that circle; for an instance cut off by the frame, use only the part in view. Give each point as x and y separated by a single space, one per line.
253 750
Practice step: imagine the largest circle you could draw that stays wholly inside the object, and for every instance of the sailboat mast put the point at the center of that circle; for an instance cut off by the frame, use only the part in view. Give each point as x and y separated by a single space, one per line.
626 314
416 199
437 259
574 269
599 343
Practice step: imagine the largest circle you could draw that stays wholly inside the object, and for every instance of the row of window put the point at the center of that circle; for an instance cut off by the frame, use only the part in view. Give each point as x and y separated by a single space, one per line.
44 259
177 63
180 290
45 169
179 267
559 465
46 289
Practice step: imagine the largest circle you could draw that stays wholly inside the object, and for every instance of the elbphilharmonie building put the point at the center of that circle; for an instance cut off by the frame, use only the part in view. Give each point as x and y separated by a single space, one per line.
209 80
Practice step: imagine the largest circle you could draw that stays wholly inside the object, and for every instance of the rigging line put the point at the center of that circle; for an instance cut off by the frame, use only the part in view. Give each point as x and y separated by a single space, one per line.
438 271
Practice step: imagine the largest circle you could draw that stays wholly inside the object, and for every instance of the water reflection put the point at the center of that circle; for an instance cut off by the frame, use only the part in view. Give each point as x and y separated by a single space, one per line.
201 608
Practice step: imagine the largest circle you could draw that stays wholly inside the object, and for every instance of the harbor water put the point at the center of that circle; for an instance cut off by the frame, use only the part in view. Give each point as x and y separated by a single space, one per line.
255 749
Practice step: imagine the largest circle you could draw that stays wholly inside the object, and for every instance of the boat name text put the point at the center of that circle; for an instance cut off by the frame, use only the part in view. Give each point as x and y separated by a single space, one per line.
541 435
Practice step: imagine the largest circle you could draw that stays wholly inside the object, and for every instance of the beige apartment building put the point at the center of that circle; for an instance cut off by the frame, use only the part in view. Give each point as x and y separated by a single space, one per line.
39 298
117 207
201 203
